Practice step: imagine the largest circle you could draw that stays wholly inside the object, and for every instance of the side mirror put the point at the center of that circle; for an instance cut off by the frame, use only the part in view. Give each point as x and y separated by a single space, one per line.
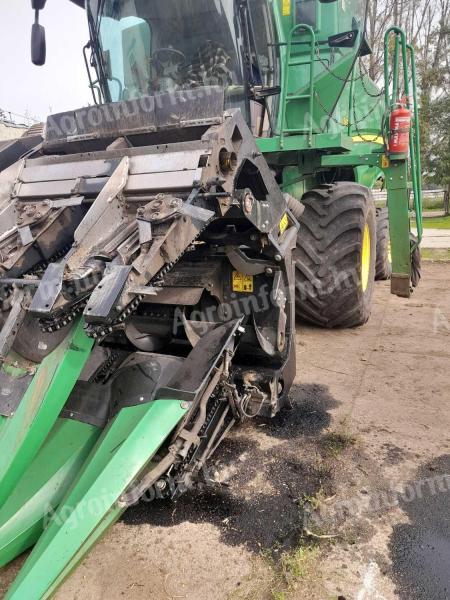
38 45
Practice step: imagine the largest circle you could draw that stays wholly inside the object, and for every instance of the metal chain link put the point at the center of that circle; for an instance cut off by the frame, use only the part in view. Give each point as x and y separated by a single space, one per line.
363 81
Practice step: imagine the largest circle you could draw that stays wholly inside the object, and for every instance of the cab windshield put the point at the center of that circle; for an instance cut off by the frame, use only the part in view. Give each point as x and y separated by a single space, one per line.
168 45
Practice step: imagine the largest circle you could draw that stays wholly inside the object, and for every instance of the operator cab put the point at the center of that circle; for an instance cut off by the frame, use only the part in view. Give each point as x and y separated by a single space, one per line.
145 48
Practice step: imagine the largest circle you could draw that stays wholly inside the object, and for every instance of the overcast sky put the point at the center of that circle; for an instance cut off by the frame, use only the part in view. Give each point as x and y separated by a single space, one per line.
59 85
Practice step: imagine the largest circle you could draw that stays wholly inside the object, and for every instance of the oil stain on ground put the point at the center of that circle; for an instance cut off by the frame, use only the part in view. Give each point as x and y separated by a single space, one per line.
261 505
420 550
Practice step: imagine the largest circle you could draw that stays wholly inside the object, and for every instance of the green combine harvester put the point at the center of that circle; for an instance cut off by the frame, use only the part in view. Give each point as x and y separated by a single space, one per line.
156 248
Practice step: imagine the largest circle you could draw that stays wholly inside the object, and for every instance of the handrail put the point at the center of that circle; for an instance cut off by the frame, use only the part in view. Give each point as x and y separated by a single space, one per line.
415 140
408 55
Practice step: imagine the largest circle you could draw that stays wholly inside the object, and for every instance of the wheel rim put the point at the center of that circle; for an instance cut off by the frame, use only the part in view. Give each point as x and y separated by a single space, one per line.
365 258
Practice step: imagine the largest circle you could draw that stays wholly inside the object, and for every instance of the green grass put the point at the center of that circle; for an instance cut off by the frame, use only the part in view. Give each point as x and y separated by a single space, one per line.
291 568
334 443
435 222
298 563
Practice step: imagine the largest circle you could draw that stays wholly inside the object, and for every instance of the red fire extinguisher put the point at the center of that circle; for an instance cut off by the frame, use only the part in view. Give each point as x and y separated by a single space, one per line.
400 127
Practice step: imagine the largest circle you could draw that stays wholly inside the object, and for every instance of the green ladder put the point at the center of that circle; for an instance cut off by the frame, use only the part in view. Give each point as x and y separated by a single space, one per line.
286 98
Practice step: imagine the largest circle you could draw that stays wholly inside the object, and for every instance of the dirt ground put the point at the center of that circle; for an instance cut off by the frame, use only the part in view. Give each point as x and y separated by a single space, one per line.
345 496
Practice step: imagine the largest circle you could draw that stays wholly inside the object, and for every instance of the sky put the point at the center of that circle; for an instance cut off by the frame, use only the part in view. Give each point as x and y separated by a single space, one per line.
61 84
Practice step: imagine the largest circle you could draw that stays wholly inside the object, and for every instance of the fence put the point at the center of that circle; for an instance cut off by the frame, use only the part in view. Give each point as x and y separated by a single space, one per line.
381 195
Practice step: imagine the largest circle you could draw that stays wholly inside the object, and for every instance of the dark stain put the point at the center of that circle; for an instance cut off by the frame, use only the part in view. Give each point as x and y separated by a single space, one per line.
308 415
420 550
268 513
394 454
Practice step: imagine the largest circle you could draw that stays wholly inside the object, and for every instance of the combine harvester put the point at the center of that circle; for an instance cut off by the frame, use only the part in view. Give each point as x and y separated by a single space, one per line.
155 250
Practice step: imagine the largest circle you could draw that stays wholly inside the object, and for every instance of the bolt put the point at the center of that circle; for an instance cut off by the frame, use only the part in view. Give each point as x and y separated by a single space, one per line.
161 484
278 257
184 405
248 203
269 271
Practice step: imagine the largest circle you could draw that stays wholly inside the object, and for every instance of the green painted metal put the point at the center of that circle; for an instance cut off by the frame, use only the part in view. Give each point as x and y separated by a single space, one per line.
349 113
338 142
368 175
415 143
122 452
22 435
398 204
43 486
308 95
315 77
352 160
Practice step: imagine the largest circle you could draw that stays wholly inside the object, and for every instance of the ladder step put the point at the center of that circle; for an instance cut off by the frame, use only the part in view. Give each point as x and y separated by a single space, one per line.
297 63
298 97
296 131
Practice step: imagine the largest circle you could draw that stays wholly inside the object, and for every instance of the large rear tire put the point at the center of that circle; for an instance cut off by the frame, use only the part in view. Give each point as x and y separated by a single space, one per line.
336 256
384 260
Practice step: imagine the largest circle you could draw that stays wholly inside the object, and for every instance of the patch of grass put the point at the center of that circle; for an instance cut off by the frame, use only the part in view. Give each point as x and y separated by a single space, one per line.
436 254
336 442
435 223
433 203
291 569
312 502
298 563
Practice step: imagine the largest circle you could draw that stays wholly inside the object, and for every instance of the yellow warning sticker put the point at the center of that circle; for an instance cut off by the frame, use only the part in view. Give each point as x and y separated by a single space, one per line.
284 223
286 4
242 283
385 162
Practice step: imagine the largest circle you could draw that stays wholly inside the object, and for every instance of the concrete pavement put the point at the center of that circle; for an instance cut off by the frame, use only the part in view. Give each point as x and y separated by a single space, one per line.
436 238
